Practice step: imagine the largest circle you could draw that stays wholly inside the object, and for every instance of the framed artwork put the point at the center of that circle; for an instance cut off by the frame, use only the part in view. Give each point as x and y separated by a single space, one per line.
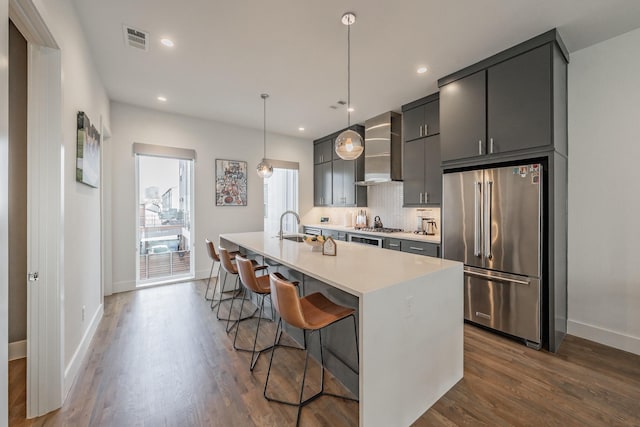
87 152
231 183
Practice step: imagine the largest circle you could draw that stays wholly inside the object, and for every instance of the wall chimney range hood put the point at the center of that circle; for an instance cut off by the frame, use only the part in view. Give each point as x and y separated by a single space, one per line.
383 149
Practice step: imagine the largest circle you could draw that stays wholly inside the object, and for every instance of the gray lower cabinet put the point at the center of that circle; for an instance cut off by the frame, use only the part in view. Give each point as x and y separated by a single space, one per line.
336 234
412 246
422 174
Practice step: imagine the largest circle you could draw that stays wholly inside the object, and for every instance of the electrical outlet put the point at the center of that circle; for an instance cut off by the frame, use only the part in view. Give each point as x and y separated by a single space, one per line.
83 313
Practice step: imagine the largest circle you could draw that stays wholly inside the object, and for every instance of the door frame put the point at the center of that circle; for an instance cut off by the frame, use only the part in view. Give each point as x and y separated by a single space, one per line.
45 334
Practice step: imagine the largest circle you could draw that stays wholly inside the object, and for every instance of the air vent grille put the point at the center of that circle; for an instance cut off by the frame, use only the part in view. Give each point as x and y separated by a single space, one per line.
135 38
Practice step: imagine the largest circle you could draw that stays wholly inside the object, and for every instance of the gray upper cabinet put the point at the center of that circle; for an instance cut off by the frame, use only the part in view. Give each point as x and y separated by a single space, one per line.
323 151
463 117
421 157
504 108
420 121
322 184
334 179
519 102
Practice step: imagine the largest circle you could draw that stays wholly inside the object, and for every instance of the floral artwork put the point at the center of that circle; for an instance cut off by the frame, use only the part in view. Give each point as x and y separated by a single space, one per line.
231 183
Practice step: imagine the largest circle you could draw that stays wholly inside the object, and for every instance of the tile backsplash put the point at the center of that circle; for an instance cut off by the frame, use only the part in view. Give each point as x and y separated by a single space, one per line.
385 201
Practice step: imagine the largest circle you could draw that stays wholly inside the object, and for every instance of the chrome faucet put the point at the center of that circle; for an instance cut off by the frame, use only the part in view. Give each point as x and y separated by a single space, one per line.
282 217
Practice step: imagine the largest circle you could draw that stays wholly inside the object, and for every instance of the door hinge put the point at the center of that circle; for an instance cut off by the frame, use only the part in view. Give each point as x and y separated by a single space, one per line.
33 277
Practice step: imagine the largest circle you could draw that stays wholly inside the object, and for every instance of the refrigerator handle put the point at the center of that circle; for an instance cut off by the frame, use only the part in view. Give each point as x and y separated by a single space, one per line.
487 218
477 220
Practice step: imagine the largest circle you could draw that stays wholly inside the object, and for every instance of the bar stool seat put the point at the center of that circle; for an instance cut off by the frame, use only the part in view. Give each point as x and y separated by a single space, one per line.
311 313
211 251
231 268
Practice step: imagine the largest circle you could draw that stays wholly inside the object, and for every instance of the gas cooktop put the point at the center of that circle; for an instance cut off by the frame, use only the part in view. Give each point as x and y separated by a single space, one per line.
380 230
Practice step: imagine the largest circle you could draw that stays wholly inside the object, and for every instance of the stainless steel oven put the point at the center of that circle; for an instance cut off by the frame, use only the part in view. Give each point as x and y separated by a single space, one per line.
365 240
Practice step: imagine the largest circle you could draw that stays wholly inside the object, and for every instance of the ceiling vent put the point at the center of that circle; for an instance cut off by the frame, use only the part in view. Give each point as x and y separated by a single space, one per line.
134 38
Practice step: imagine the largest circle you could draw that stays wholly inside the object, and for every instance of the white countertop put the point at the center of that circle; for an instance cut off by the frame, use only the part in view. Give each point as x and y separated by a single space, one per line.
396 235
357 269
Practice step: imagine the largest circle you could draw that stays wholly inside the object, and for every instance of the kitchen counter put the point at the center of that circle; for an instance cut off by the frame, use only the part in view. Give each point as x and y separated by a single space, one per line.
410 319
395 235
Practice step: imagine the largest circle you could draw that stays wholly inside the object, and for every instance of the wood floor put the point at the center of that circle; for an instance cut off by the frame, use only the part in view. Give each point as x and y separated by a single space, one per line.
160 358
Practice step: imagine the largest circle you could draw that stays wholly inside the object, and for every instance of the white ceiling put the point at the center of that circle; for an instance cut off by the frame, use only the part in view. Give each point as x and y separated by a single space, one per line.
229 52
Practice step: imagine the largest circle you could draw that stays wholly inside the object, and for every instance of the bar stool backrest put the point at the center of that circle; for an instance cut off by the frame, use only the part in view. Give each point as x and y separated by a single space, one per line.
247 273
211 250
286 301
225 262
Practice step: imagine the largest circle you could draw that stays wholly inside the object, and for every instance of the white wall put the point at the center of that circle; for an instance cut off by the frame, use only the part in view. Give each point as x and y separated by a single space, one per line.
604 202
82 90
211 140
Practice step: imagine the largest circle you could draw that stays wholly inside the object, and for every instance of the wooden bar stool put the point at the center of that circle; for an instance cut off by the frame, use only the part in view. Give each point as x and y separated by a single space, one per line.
258 285
211 251
310 313
230 268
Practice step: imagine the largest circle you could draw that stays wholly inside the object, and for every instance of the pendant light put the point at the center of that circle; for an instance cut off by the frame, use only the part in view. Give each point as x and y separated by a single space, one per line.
349 144
264 169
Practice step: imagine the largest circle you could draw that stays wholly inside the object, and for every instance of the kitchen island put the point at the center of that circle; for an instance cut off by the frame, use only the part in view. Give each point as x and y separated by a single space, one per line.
410 319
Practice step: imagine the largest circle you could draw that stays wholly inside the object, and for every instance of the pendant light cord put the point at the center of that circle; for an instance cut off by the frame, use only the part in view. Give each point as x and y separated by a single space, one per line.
349 75
264 98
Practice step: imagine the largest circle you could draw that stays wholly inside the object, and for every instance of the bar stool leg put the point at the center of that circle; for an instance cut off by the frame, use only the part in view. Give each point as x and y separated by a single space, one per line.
213 301
209 282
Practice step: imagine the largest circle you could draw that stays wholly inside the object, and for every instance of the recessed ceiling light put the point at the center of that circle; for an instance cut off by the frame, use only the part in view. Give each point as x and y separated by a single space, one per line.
351 109
301 129
162 98
167 42
422 70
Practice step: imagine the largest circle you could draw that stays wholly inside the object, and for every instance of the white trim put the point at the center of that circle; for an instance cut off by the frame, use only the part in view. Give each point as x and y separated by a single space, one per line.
28 20
163 151
17 350
604 336
124 286
71 372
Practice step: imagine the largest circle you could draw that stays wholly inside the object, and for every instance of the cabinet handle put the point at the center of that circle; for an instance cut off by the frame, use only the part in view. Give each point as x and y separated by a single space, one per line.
416 249
420 127
420 197
480 147
394 245
426 197
491 145
426 130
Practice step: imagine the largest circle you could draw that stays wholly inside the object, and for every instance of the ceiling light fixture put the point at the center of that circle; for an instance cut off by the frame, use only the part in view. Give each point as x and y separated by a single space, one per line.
301 129
167 42
264 169
422 70
349 144
161 98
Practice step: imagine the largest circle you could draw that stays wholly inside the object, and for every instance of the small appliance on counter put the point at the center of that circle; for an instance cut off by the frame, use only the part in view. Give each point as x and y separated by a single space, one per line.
429 226
420 225
361 219
377 222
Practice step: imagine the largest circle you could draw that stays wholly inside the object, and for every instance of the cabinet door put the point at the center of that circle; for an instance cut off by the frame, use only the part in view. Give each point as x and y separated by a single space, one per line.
432 170
412 121
338 182
349 182
420 248
413 171
463 117
432 118
322 183
519 102
322 151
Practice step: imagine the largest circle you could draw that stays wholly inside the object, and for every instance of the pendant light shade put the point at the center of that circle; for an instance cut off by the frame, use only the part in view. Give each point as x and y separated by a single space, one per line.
349 144
264 169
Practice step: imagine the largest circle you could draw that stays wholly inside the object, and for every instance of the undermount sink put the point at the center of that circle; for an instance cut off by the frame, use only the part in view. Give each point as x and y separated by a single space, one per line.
294 238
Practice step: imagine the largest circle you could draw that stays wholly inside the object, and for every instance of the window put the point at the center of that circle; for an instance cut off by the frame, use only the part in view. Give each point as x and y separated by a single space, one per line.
280 195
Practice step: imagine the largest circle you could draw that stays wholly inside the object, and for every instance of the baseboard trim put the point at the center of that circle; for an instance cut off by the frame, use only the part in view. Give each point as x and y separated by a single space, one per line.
17 350
124 286
71 372
604 336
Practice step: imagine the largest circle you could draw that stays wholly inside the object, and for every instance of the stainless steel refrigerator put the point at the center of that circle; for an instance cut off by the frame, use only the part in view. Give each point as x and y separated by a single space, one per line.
492 222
